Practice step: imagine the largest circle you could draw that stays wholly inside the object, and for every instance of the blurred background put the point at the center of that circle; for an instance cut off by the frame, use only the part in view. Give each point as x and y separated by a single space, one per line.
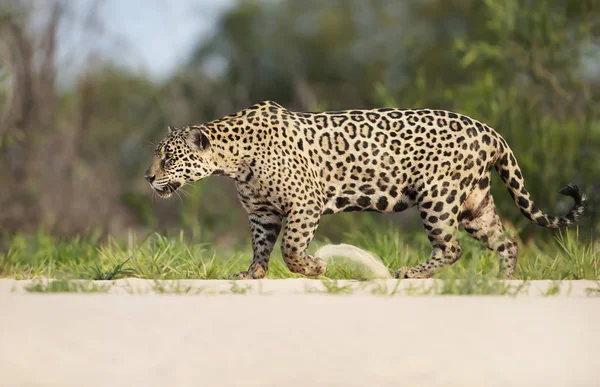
87 87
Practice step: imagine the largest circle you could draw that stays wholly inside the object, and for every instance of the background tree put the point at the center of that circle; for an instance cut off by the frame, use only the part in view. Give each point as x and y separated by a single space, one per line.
73 157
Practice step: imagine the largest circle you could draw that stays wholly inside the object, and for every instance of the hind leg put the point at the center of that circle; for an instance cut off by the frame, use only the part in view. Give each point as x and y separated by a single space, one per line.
480 219
298 232
440 221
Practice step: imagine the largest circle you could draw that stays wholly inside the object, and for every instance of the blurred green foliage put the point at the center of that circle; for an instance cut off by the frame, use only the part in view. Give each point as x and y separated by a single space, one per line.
528 68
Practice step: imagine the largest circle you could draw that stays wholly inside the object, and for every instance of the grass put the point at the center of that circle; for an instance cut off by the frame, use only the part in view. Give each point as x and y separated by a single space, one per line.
175 287
332 287
468 286
478 286
473 285
98 273
236 288
553 289
594 291
65 286
160 257
566 257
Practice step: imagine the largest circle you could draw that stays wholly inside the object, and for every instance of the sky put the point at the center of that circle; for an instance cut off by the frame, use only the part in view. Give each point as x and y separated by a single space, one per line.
149 36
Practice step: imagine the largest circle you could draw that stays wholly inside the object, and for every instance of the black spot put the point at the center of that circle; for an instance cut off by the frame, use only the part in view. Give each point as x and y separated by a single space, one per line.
341 202
328 211
438 206
542 221
382 203
524 203
400 206
364 201
470 230
483 183
373 117
367 189
248 177
412 194
526 214
486 139
514 183
466 214
512 195
271 226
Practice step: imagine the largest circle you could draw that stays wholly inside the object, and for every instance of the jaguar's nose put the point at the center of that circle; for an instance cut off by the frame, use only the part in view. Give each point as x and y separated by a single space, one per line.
149 176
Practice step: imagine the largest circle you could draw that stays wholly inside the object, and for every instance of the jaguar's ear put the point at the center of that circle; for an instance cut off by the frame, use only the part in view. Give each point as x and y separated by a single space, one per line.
197 140
170 128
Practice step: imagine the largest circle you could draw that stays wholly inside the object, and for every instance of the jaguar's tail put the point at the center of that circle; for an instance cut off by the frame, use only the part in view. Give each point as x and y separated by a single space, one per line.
509 171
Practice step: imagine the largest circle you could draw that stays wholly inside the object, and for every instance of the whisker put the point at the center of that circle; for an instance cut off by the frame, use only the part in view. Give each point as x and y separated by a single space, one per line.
179 196
183 191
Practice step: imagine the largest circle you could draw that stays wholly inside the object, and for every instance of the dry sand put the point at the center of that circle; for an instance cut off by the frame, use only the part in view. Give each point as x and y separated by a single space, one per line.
135 286
290 337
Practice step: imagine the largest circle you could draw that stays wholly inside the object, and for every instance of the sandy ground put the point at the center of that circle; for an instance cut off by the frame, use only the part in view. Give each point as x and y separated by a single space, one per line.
287 336
134 286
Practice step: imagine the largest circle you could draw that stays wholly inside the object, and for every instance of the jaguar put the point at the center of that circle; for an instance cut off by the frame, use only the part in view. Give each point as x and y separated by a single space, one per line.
291 168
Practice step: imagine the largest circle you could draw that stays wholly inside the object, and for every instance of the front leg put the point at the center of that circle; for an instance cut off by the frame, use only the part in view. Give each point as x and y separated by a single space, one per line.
265 226
299 230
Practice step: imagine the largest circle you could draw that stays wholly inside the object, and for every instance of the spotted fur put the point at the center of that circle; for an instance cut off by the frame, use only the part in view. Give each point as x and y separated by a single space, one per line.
300 166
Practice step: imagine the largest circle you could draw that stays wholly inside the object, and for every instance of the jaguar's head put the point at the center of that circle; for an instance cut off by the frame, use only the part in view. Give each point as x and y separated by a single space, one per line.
184 156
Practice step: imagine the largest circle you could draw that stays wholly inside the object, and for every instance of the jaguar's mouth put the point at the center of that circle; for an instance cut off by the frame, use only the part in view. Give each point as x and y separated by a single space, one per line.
167 190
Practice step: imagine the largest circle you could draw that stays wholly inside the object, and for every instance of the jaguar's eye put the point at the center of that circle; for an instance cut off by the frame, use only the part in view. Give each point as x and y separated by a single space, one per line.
168 162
